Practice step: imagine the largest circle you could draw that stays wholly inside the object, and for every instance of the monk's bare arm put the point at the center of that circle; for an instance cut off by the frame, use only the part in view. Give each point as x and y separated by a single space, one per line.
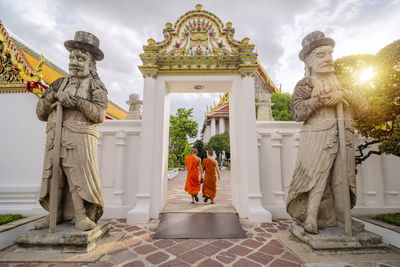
217 170
200 168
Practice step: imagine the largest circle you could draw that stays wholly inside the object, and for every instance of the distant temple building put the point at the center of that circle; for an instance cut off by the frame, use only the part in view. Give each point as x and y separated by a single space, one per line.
217 117
20 72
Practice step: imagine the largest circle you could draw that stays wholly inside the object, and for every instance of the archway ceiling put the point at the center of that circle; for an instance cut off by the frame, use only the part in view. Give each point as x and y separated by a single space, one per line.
198 44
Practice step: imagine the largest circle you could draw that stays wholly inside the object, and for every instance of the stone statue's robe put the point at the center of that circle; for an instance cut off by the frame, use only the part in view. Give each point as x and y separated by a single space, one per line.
317 160
210 180
78 145
192 185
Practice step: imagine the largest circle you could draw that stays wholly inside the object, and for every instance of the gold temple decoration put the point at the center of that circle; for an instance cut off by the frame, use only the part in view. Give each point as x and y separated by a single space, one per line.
13 69
197 44
223 100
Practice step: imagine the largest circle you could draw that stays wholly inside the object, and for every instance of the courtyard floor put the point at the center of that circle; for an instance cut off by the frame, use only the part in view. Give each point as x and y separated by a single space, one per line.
261 247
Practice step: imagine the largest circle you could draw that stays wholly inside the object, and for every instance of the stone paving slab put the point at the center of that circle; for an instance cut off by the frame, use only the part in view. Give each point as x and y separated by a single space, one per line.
196 225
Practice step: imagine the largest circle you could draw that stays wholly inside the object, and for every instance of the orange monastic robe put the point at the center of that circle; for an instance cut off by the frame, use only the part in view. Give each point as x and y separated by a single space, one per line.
210 179
192 185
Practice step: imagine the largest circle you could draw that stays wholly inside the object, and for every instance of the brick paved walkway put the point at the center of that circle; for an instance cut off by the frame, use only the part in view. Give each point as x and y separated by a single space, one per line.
260 248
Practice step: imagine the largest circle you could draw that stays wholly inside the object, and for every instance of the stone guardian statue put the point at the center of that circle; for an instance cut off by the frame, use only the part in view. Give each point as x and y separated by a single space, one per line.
82 103
326 157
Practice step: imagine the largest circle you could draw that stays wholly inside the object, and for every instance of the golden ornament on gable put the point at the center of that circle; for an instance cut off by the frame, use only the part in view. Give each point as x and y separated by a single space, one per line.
198 43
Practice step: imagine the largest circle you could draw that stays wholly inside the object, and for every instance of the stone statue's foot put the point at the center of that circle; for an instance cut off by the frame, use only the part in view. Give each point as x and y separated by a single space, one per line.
311 224
45 223
42 224
311 228
83 223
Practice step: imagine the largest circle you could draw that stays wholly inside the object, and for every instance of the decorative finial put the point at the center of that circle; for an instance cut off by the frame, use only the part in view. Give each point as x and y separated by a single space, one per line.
150 41
199 7
168 25
245 41
229 25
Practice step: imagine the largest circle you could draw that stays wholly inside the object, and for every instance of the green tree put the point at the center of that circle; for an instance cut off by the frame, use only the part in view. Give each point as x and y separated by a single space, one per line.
172 160
281 107
199 145
181 128
382 123
218 143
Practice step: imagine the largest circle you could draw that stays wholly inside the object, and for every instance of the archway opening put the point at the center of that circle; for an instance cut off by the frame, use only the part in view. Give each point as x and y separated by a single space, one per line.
210 111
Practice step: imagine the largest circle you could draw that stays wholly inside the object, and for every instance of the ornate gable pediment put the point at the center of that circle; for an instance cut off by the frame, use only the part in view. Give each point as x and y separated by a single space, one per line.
15 75
198 43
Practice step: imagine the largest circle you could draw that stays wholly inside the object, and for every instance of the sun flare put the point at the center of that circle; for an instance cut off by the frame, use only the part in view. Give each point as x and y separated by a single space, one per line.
367 74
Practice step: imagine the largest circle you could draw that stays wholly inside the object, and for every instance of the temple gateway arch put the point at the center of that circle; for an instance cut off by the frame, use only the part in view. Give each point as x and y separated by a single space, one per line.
199 54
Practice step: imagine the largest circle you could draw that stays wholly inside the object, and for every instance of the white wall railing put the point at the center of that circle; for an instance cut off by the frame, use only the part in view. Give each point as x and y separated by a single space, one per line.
378 186
118 160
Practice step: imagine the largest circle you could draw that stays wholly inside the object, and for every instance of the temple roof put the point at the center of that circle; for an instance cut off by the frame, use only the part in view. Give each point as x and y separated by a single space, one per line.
28 59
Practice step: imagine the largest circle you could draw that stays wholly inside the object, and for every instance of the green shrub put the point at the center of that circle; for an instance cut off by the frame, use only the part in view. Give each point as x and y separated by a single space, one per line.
391 218
6 218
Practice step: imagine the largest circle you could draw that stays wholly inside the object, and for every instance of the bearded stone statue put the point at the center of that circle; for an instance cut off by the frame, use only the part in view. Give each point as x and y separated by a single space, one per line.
84 103
315 197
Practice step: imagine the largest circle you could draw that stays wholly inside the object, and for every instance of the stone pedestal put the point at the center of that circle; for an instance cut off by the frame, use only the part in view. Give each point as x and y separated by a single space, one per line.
334 239
66 239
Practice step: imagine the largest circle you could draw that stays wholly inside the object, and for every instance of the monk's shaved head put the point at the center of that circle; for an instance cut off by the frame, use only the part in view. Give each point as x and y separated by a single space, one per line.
194 151
211 153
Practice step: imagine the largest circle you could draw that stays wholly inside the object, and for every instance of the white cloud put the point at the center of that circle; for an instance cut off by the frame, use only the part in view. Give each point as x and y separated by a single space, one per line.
276 27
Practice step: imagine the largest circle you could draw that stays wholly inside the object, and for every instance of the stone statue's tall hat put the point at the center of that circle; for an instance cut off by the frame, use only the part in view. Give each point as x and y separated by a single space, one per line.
312 41
86 41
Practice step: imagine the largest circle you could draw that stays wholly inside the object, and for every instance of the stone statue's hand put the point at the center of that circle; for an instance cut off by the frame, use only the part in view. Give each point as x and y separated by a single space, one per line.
50 97
66 100
333 98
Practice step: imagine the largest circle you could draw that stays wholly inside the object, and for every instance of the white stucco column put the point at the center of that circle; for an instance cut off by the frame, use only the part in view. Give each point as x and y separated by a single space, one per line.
119 189
221 125
246 195
213 127
151 152
372 177
279 195
391 170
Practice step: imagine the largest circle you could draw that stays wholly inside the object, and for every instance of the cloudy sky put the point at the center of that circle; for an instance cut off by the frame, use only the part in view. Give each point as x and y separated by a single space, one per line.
275 27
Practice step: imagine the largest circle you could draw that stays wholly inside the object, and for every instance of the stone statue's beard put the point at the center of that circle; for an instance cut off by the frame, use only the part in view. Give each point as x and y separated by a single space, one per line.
324 84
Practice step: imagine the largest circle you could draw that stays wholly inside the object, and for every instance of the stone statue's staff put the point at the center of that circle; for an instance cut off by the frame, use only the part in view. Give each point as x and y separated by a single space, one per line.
56 169
56 164
344 171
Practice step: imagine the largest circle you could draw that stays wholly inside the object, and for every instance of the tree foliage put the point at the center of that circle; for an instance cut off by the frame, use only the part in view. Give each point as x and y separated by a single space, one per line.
281 107
382 123
199 145
218 143
182 127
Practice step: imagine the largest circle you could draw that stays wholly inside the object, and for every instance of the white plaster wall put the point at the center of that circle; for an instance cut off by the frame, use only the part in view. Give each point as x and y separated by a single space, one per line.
378 186
120 154
22 139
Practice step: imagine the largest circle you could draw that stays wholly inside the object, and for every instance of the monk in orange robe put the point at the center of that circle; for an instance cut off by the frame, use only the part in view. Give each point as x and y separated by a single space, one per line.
193 165
210 166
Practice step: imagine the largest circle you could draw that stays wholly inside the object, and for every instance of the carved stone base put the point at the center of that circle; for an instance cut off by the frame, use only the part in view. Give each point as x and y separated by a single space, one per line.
334 239
66 239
